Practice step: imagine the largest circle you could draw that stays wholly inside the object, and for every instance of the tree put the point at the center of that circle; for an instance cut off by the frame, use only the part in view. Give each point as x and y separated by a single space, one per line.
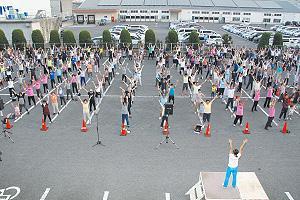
172 37
125 38
227 39
68 38
194 38
149 37
54 38
18 39
277 40
264 40
106 36
37 38
85 38
3 40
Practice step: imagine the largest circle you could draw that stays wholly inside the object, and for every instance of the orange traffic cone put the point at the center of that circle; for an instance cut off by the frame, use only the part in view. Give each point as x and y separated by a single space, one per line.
44 126
166 128
247 129
84 128
285 128
8 125
207 132
123 130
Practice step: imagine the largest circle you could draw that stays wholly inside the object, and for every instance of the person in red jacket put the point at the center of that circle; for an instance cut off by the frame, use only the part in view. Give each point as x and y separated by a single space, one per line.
46 111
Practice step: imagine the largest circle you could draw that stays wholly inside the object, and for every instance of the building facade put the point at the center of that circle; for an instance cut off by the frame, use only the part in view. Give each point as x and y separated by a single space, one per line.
215 11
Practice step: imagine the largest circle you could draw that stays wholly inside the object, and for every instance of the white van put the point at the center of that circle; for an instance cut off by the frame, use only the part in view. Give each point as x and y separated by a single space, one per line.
214 39
207 32
143 27
185 30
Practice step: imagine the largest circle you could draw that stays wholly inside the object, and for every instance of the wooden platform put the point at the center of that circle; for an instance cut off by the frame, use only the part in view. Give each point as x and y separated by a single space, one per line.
210 187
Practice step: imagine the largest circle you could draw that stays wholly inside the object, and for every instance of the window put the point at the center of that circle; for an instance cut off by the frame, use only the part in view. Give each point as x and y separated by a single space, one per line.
204 12
147 17
127 17
247 13
195 12
154 11
165 11
267 14
236 19
134 11
164 17
123 11
226 13
215 13
132 17
211 18
152 17
142 17
137 17
205 18
216 18
276 20
236 13
266 20
277 15
143 11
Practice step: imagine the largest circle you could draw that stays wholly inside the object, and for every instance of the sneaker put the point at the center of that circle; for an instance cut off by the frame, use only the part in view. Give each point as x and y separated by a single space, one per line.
226 109
241 124
159 118
234 125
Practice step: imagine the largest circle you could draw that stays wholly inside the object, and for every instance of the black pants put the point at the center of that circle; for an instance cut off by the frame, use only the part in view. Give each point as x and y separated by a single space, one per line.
38 92
230 101
92 104
171 98
45 86
124 78
22 106
69 92
74 87
238 117
269 122
45 116
254 107
163 119
62 100
52 83
31 98
59 79
250 83
283 112
239 89
267 102
11 91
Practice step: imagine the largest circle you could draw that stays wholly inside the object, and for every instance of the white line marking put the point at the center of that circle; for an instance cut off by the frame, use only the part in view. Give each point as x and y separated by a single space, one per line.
37 102
104 94
45 194
7 87
168 196
105 196
259 106
289 195
7 102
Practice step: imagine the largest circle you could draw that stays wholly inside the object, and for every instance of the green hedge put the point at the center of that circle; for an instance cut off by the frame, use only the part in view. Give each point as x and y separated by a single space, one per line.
85 38
3 40
106 36
194 38
277 40
37 38
172 37
68 38
227 39
54 38
264 40
18 39
125 38
150 37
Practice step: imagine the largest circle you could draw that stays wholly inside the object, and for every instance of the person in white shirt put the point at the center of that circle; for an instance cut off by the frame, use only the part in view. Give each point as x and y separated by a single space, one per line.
233 162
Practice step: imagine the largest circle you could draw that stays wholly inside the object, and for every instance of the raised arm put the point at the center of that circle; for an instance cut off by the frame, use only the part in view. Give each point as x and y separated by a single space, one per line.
230 146
243 145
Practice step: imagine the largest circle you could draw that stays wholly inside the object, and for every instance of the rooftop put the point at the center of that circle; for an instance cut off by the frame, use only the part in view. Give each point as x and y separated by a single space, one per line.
249 5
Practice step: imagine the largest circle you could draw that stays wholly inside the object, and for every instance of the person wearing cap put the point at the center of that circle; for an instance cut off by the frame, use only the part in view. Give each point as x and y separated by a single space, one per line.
233 162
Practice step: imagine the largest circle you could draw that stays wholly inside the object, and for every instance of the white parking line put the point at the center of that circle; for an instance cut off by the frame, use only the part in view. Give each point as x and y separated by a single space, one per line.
37 102
289 195
105 196
104 94
259 106
45 194
168 196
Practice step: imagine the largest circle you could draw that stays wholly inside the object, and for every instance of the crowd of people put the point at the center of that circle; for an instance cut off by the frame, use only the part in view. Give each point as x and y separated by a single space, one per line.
231 72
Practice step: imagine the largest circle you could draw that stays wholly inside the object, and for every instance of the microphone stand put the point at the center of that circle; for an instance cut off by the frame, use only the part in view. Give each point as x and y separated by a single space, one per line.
98 141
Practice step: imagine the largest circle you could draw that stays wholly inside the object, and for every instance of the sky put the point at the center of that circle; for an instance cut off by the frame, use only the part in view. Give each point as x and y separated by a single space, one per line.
31 6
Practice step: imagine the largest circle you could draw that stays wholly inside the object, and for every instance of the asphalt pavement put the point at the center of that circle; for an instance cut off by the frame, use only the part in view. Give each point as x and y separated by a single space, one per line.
62 164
